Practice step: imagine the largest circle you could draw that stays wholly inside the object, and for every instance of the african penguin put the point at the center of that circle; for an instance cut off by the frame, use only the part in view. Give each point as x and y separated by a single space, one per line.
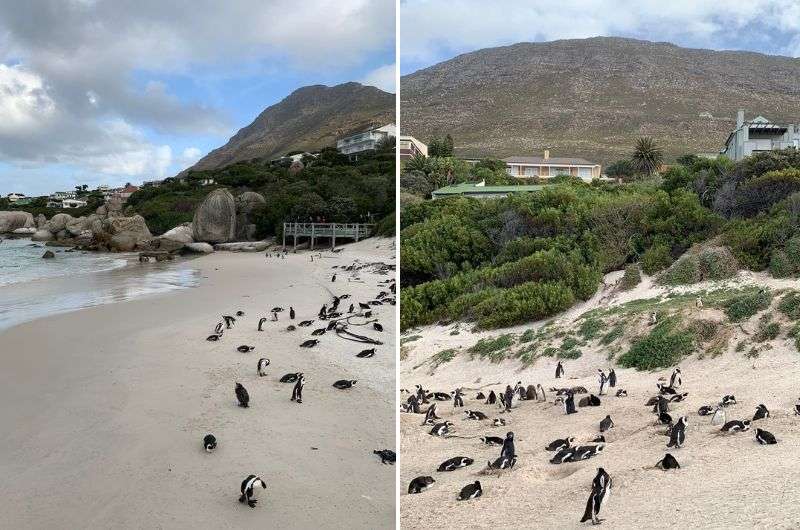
420 484
441 429
261 368
297 391
677 435
601 487
492 440
736 426
470 491
606 424
310 343
705 410
245 349
248 489
343 384
366 353
503 462
668 462
561 443
475 415
765 437
761 413
387 456
209 442
242 396
455 463
290 378
261 323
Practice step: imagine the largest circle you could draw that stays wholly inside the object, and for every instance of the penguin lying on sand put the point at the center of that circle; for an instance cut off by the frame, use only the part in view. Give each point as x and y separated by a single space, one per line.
441 429
563 455
240 313
420 484
454 463
470 491
668 462
318 332
736 426
305 323
248 489
364 354
387 456
343 384
492 440
502 462
561 443
475 415
765 437
499 422
728 400
245 349
705 410
377 327
761 412
209 442
622 393
310 343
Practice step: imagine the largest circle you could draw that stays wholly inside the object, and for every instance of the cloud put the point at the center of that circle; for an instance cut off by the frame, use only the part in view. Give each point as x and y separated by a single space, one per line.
470 24
24 102
382 77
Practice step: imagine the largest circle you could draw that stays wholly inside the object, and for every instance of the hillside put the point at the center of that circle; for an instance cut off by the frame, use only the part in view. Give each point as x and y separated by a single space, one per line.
309 119
593 97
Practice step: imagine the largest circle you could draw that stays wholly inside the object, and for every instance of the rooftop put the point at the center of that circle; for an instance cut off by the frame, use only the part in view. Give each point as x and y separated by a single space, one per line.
472 187
548 161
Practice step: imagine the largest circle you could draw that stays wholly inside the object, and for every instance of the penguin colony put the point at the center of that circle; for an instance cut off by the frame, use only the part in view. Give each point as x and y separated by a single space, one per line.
664 403
337 322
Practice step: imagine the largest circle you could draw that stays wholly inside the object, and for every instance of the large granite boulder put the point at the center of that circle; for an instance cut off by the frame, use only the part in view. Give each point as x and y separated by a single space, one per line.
24 231
135 226
215 219
42 235
112 208
10 221
244 246
77 225
58 222
200 248
122 242
246 205
181 234
41 220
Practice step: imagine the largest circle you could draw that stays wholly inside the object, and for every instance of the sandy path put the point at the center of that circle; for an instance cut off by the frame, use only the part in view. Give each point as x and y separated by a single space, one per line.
726 481
108 407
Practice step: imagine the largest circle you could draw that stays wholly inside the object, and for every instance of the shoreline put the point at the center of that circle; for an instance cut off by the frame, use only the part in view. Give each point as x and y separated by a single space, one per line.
111 403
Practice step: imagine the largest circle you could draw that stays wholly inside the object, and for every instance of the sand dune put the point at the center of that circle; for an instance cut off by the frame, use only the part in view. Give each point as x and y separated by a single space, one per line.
109 406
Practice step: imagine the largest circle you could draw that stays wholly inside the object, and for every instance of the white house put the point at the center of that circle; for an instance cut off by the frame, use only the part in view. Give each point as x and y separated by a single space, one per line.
410 147
759 134
546 166
365 140
73 203
14 197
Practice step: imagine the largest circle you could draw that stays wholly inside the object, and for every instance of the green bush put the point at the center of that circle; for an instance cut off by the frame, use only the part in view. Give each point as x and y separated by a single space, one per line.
442 357
790 305
631 278
767 331
495 349
742 306
663 347
523 303
785 262
590 328
712 263
656 258
616 332
685 271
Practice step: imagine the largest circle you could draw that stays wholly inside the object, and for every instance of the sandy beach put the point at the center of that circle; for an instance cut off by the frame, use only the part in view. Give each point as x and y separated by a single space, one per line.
720 474
105 408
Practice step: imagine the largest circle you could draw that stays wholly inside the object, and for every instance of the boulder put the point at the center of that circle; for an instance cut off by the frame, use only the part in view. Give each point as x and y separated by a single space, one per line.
42 235
135 226
243 246
246 205
112 208
10 221
200 248
123 242
157 243
181 234
215 219
77 225
48 254
24 231
58 222
41 220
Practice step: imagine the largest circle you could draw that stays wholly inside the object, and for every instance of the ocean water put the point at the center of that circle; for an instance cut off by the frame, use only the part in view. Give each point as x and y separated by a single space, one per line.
32 287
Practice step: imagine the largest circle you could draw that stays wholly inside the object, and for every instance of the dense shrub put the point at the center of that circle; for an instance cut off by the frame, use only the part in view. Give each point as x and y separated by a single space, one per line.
742 306
656 258
523 303
631 278
767 331
664 346
785 262
495 349
790 305
711 263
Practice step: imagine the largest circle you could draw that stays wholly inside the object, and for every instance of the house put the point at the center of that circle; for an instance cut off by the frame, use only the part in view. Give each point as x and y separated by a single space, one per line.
73 203
14 197
411 147
546 166
127 191
55 200
152 183
480 190
365 140
759 135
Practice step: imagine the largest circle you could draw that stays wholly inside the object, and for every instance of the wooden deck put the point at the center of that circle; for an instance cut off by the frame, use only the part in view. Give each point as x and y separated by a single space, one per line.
313 231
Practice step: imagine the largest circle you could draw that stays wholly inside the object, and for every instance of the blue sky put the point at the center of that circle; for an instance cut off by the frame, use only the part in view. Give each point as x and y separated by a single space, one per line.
109 92
433 30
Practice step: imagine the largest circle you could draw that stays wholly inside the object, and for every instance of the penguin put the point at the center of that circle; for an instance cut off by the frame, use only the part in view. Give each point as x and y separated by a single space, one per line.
585 452
290 328
261 323
698 303
363 306
675 378
310 343
413 404
761 412
297 391
367 314
502 463
276 310
797 408
471 491
563 455
606 424
430 415
274 316
653 319
736 426
420 484
240 313
598 439
705 410
622 393
499 422
677 435
351 308
213 338
662 389
664 419
480 396
569 404
242 396
561 443
245 348
491 399
661 406
377 327
248 489
323 312
507 451
612 378
441 429
652 401
305 323
261 367
601 375
542 395
765 437
343 384
441 396
218 329
331 325
318 332
365 354
290 378
229 321
601 487
719 416
291 313
210 442
475 415
333 278
492 440
387 456
559 370
458 398
455 463
509 397
530 393
668 462
677 398
728 400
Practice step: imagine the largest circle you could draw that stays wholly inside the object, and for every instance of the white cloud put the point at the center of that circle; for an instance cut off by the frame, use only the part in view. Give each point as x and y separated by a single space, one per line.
189 156
24 102
382 77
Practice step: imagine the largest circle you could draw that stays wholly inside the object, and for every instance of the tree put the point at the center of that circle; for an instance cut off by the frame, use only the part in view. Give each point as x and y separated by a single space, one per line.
647 156
440 147
621 169
417 163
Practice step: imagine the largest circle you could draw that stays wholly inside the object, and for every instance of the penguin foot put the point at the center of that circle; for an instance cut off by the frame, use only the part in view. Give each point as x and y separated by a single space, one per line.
252 503
597 521
299 400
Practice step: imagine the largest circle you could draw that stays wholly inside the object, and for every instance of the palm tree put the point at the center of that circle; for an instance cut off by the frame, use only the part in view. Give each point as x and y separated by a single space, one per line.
417 163
647 156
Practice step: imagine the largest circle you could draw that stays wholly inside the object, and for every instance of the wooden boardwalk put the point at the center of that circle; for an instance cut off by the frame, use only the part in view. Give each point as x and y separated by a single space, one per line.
313 231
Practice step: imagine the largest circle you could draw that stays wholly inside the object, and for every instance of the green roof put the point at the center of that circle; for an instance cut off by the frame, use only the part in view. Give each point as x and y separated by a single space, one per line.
469 188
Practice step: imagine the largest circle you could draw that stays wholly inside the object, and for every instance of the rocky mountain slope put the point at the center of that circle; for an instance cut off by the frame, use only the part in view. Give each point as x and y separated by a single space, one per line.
308 119
593 97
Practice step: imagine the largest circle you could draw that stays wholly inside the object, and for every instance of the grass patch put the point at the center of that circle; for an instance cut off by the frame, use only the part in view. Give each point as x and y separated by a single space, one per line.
790 305
664 346
767 331
442 357
495 349
527 355
528 336
569 353
705 330
741 346
631 278
406 340
742 306
615 333
590 328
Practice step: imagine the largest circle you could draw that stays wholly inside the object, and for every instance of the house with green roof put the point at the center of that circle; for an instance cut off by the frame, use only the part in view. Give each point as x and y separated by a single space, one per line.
480 190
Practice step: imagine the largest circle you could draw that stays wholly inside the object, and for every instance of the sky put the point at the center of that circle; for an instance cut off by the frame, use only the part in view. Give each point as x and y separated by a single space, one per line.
114 91
432 31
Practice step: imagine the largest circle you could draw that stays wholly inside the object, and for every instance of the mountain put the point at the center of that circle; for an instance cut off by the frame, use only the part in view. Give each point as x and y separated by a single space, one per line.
591 98
309 119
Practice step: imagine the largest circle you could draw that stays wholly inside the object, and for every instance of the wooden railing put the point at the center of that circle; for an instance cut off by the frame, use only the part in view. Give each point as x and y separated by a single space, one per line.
355 231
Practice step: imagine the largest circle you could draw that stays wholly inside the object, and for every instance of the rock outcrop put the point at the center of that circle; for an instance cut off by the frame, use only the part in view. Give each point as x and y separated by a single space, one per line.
200 248
246 205
215 219
10 221
181 234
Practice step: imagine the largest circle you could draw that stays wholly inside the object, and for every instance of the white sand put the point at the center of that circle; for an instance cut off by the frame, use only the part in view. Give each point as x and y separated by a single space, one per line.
726 481
104 409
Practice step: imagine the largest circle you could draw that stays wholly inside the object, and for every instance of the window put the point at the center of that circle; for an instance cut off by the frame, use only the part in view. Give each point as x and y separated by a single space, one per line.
531 171
585 172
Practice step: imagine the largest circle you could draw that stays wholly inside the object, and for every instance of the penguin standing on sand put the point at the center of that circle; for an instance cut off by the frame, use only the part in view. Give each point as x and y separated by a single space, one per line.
458 398
559 370
612 378
229 321
210 442
242 396
719 417
569 404
507 450
297 391
606 424
601 375
508 398
540 392
675 378
491 399
333 278
601 487
430 415
261 323
677 435
291 313
248 490
262 366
